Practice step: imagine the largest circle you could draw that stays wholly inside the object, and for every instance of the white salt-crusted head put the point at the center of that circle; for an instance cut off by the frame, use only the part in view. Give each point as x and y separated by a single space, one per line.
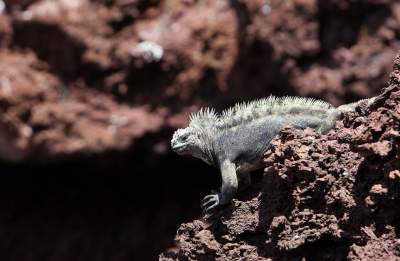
192 141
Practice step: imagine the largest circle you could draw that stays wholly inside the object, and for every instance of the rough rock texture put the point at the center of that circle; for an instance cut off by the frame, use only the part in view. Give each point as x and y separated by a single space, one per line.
98 86
188 43
41 119
163 59
322 197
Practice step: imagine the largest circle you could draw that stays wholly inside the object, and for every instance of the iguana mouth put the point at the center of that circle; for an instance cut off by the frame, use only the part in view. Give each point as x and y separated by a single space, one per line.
178 148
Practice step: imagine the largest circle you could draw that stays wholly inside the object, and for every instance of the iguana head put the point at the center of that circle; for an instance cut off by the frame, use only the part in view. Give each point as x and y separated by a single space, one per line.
185 141
196 139
188 141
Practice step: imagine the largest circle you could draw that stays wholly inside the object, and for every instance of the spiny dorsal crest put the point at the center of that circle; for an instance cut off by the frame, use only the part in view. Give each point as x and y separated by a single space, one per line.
205 117
247 111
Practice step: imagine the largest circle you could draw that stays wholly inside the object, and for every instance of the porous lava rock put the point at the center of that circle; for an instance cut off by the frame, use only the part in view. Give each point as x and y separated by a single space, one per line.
322 197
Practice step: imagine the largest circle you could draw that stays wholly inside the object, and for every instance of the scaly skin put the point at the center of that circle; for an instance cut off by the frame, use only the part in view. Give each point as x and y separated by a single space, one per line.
236 140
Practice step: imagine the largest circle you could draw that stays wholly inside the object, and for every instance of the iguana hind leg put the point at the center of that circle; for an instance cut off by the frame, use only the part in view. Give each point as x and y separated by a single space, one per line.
244 180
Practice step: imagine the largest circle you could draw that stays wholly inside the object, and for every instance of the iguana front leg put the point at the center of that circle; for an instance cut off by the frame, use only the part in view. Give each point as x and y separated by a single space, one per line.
228 188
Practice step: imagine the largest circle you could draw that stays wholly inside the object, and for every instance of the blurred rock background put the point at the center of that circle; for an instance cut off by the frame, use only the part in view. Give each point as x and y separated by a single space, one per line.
91 92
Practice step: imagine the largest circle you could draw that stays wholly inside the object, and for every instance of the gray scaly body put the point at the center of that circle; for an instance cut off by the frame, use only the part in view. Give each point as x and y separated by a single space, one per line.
236 140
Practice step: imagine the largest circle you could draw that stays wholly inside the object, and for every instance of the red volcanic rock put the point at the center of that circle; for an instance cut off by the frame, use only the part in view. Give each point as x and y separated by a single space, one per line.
5 30
322 197
166 51
349 63
24 83
114 78
42 118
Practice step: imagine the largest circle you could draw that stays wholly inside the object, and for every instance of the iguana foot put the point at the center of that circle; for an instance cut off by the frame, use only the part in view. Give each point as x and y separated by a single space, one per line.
210 201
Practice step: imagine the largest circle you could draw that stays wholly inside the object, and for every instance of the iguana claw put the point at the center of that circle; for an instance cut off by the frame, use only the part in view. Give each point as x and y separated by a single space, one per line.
210 202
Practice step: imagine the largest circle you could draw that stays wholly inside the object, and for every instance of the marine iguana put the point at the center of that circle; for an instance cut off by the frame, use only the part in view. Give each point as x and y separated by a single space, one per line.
236 140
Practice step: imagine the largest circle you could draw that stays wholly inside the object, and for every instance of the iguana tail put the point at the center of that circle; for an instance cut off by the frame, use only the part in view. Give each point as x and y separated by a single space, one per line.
352 106
338 112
